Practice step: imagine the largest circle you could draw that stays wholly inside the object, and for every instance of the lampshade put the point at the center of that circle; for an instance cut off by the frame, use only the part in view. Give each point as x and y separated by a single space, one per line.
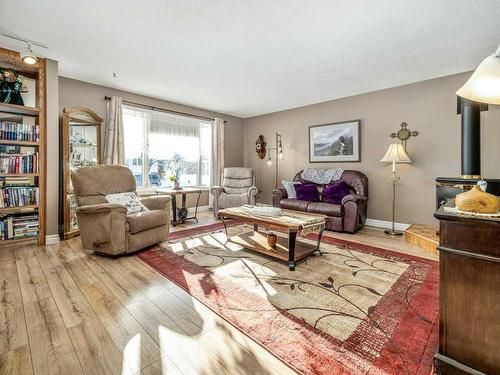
484 84
396 154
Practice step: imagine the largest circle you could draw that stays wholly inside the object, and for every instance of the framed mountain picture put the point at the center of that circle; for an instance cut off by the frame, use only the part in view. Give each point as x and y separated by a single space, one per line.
336 142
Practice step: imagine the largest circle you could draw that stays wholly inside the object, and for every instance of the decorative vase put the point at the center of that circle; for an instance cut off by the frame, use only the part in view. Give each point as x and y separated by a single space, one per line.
476 200
272 239
177 185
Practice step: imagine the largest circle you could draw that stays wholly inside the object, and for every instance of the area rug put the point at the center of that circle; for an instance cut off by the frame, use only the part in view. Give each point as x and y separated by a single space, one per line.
356 309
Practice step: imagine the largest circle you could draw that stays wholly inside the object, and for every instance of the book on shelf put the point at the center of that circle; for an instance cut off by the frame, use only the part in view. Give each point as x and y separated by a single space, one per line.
18 196
19 163
15 131
14 227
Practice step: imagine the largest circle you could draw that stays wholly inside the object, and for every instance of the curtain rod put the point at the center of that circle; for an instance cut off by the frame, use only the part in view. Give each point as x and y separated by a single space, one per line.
153 108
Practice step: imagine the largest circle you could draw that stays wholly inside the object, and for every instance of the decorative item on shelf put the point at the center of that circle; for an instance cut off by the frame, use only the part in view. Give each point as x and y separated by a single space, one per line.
279 156
395 154
260 147
404 134
272 239
477 200
11 87
336 142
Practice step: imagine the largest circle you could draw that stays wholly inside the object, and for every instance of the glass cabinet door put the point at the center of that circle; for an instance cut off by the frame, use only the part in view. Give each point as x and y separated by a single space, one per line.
83 152
81 141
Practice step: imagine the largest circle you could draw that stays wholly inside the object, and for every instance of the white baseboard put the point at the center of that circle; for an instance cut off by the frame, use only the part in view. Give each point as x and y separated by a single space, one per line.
52 239
386 224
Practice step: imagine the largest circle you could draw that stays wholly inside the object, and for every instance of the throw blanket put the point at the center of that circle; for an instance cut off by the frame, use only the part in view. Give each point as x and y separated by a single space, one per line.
322 176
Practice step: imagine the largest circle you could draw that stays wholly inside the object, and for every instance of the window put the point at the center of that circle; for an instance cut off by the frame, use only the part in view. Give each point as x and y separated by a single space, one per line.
161 145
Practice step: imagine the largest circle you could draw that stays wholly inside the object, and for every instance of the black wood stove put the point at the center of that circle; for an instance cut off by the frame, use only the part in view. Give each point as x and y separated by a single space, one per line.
448 187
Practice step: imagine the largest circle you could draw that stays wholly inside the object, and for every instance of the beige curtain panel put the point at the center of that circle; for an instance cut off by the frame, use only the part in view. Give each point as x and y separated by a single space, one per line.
217 153
114 149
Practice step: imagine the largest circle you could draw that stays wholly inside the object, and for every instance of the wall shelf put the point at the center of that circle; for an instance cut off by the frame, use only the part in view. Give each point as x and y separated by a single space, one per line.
23 241
19 174
18 208
19 143
19 109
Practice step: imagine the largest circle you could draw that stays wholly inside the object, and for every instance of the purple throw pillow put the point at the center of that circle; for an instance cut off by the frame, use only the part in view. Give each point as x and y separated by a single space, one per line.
334 193
307 192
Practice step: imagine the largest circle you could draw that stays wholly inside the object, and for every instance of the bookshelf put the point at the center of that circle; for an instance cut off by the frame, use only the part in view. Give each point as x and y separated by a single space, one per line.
80 146
23 155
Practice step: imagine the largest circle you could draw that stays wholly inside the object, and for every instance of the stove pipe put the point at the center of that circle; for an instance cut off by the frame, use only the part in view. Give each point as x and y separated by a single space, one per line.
471 139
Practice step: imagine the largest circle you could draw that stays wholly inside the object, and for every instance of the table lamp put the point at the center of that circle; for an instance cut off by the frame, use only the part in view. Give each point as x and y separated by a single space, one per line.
395 154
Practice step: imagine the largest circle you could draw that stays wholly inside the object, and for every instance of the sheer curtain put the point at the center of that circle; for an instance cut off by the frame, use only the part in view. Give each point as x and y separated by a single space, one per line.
157 142
217 153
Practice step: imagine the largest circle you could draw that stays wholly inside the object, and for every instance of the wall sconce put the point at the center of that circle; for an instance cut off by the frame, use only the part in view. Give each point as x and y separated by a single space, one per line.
279 156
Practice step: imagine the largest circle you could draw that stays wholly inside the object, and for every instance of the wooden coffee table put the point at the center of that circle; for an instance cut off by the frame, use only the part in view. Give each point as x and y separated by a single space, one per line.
290 222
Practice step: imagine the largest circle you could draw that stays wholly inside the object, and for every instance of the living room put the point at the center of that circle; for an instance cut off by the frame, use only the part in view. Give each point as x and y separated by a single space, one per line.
249 187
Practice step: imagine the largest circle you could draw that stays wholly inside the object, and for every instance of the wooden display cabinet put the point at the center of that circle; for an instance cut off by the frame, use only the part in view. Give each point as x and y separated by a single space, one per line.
22 151
80 147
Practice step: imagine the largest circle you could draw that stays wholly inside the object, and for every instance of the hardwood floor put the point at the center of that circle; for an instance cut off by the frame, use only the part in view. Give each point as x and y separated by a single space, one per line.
66 311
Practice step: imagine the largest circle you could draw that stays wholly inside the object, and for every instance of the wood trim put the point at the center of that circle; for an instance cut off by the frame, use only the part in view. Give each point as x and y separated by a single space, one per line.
19 109
42 149
457 366
69 110
19 143
18 208
469 254
23 241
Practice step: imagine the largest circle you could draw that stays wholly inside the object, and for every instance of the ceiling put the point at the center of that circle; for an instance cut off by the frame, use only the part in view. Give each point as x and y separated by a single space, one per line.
247 58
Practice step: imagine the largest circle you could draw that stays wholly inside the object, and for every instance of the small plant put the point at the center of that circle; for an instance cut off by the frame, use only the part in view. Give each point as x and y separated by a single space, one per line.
173 178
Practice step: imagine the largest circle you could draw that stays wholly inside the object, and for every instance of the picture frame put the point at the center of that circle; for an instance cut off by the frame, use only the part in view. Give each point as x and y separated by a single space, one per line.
337 142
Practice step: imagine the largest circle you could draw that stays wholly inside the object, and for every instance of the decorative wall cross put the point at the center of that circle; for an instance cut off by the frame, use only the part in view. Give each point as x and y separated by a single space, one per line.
404 134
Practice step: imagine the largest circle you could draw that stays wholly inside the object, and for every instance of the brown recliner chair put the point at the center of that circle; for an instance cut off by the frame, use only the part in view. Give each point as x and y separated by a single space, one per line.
105 227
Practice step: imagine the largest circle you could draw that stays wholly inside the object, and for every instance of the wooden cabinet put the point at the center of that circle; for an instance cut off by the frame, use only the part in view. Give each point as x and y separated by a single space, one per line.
469 330
80 147
22 150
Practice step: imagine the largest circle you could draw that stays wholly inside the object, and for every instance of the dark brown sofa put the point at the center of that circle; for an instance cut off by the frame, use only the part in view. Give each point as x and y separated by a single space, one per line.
346 217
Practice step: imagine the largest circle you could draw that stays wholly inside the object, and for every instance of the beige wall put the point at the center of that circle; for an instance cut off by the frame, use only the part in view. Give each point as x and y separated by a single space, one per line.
429 107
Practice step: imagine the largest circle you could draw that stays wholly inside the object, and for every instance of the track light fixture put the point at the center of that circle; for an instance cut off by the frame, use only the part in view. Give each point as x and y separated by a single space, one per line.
27 55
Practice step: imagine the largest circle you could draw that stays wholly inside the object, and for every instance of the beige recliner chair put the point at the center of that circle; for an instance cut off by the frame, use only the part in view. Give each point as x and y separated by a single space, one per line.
237 188
105 227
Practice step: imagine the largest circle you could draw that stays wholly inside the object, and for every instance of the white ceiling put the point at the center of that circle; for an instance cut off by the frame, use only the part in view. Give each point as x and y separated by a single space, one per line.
247 58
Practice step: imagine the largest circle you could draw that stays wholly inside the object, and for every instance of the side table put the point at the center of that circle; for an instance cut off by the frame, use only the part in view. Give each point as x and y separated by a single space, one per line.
182 192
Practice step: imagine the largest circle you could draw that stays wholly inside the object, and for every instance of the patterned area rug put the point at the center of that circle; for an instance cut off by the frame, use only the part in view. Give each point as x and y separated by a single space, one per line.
356 309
